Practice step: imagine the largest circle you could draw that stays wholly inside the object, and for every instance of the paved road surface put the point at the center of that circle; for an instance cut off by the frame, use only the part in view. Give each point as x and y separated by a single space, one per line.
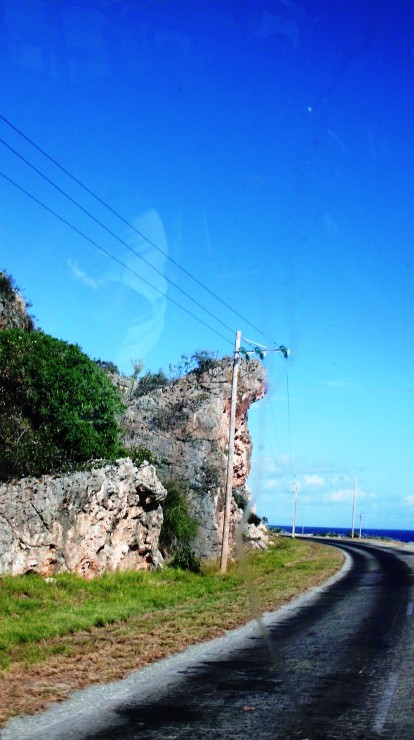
337 664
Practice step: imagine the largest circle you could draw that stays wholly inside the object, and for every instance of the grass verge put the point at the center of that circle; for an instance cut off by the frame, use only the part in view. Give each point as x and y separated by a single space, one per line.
68 633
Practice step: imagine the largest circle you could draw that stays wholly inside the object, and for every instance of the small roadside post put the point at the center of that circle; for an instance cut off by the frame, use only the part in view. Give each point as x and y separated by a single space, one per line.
295 501
353 509
360 524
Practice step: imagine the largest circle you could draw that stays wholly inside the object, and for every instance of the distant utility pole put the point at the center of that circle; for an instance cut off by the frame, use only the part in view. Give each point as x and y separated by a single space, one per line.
230 455
353 509
360 524
295 500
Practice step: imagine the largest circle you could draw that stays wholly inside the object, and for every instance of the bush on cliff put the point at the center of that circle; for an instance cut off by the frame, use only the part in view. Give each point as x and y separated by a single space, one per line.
178 527
150 382
57 407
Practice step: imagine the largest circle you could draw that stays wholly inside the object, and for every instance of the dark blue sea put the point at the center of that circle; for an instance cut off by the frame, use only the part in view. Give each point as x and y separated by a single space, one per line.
402 535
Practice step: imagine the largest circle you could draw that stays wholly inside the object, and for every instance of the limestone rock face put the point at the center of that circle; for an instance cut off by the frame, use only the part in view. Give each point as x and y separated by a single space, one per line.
185 425
256 536
13 313
85 523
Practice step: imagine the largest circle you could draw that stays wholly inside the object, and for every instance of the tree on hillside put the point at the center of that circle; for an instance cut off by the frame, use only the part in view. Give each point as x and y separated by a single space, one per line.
57 407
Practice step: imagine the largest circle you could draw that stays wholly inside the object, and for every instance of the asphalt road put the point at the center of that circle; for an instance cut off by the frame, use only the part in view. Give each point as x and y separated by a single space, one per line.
336 664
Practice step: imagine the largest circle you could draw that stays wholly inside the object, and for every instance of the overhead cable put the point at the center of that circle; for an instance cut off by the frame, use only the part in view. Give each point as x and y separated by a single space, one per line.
282 466
131 226
288 411
113 234
109 254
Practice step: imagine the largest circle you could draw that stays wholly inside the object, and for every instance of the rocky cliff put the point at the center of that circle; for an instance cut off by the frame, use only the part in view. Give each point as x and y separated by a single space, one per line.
85 523
185 425
13 308
111 518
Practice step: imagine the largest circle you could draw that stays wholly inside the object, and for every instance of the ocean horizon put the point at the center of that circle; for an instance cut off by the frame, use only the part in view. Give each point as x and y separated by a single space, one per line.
400 535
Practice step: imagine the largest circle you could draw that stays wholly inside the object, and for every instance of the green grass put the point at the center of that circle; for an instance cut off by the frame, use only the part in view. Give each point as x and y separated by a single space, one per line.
34 611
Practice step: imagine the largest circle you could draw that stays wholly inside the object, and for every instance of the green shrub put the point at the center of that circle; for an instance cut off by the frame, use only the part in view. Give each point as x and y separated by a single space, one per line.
150 382
240 500
140 454
185 558
204 360
107 366
178 527
254 519
57 407
198 362
7 286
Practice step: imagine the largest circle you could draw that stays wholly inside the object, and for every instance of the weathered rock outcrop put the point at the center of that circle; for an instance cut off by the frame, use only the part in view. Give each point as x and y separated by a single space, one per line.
85 523
111 518
185 425
13 308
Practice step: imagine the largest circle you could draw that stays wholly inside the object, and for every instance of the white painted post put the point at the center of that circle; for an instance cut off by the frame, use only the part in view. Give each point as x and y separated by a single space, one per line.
353 510
229 479
294 509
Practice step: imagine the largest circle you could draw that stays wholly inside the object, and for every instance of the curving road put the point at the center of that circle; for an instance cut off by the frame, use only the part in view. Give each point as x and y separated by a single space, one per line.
337 664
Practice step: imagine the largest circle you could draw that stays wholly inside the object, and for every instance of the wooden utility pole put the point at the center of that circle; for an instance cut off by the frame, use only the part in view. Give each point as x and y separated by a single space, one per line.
229 479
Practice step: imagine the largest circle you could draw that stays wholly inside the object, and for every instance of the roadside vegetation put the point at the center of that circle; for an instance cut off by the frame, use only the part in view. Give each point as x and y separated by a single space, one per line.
65 633
178 528
57 407
198 362
60 411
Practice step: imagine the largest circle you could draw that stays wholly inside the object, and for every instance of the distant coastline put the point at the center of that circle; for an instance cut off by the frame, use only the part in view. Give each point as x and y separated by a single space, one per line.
398 535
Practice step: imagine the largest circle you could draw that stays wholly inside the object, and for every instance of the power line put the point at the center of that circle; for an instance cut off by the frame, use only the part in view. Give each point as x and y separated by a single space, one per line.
289 427
127 223
283 469
109 254
113 234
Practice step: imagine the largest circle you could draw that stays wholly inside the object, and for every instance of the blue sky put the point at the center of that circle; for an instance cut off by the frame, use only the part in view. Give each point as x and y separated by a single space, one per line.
266 147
